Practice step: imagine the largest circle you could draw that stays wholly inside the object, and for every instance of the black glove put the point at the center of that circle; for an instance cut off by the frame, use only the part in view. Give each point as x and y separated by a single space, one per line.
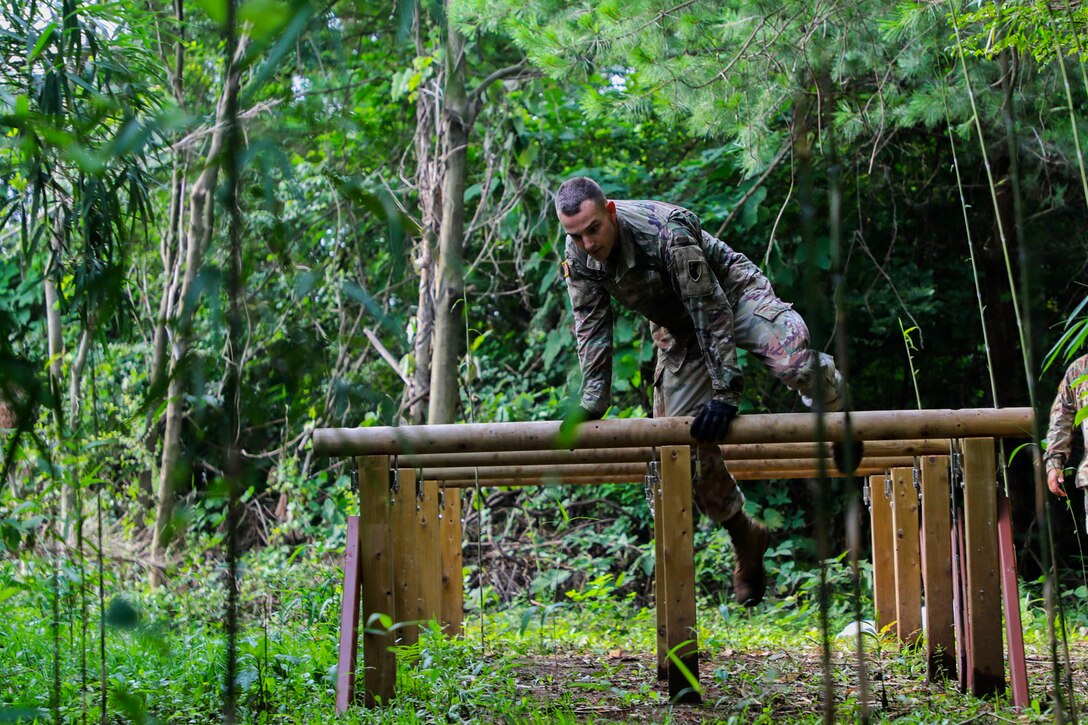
839 451
711 424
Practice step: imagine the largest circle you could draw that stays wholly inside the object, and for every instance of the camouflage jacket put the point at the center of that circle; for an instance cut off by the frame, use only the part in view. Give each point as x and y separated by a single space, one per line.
675 274
1072 396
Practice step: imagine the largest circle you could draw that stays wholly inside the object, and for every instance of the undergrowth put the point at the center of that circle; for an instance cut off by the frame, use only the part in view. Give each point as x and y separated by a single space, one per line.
583 655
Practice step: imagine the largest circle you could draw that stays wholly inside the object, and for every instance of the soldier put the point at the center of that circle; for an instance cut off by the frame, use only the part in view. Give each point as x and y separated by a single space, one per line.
1072 396
703 300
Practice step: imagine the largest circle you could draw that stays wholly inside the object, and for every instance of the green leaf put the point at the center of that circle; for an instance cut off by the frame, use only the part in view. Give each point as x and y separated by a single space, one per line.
216 9
42 40
1081 415
266 17
122 614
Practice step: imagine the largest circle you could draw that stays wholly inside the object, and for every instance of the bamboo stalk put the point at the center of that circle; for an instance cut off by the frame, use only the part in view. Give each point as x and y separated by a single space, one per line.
778 428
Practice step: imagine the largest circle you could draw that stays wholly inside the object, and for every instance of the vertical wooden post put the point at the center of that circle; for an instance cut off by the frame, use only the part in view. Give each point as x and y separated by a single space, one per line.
661 578
349 621
377 579
1010 594
453 592
430 554
883 553
675 527
908 577
406 556
960 613
937 569
986 674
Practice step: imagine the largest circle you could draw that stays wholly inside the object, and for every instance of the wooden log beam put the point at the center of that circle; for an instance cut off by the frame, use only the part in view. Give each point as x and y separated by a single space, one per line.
631 478
634 469
775 428
740 452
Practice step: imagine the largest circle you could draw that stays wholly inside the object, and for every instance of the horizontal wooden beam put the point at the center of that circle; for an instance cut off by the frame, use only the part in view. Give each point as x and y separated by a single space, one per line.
628 433
620 478
731 452
637 469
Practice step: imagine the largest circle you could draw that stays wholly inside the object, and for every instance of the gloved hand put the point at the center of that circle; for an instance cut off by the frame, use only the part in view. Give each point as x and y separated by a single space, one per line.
711 424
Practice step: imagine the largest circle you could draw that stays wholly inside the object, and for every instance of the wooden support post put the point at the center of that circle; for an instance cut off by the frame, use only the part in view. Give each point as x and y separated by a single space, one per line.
908 577
430 553
986 675
661 594
349 621
937 567
883 553
453 592
960 615
406 556
375 545
1010 594
676 527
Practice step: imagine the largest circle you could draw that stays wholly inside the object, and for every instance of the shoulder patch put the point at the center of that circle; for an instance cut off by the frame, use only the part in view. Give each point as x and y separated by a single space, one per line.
564 268
692 272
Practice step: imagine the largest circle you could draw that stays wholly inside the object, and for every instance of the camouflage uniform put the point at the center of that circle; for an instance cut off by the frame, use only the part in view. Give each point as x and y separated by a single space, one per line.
1072 396
703 300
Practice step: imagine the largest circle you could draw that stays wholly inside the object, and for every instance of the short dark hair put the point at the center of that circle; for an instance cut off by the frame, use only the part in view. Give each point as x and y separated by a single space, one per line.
569 198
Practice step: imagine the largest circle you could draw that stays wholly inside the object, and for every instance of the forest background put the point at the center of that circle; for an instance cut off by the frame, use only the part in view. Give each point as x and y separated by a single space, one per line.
227 224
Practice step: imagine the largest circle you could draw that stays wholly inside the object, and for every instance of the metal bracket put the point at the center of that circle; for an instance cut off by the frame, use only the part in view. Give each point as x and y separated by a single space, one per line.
441 503
916 474
866 495
394 479
652 480
888 487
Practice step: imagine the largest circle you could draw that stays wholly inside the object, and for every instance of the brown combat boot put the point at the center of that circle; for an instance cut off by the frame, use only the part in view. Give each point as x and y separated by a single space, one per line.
750 542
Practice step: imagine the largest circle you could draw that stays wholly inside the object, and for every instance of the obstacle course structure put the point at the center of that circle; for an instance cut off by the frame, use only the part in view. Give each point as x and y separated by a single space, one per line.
930 478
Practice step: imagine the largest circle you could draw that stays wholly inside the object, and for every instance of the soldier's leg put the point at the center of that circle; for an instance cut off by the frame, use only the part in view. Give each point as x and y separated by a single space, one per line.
684 392
778 337
713 487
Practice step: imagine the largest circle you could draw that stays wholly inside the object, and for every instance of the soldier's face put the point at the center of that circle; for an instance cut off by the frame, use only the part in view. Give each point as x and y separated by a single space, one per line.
593 228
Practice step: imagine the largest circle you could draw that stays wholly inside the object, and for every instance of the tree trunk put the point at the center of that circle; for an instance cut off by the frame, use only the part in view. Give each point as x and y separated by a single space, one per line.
171 266
449 327
428 188
55 337
201 204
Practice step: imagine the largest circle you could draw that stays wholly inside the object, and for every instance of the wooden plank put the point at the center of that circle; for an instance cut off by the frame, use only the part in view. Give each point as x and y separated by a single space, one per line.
676 527
908 557
430 554
883 553
406 556
986 673
375 550
960 614
937 567
453 592
349 621
1010 595
661 579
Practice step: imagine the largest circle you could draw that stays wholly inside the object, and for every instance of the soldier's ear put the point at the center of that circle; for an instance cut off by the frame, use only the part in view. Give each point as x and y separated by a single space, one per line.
611 207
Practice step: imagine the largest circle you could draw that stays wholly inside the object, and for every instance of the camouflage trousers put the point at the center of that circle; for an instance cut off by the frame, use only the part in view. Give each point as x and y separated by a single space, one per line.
776 335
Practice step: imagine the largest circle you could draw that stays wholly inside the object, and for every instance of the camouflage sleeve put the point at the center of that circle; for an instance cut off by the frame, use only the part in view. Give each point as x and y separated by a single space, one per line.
1059 436
706 302
592 308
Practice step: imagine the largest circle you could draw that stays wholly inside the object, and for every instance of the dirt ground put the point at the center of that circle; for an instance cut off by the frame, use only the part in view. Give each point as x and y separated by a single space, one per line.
778 687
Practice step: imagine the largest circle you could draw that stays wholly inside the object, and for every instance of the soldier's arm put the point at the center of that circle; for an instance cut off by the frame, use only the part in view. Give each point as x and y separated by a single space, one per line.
705 301
1059 436
592 308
